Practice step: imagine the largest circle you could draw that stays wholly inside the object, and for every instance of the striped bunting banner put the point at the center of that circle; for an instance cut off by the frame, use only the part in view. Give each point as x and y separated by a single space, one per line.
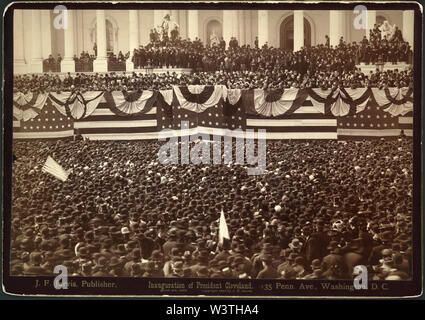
48 124
103 124
304 123
372 123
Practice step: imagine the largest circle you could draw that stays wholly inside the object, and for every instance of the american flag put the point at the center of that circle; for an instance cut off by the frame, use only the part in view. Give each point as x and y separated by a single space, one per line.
103 124
49 123
372 122
304 123
219 119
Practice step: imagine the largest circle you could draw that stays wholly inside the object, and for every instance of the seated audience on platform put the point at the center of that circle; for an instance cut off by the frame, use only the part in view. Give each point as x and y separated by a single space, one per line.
276 78
238 66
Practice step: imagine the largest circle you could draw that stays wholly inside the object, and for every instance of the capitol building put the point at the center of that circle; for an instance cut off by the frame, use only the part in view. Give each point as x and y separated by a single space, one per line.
115 31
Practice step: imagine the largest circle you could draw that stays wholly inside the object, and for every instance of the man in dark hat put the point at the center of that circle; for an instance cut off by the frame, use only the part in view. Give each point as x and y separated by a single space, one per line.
136 256
315 243
353 254
269 271
385 243
316 266
147 244
33 267
171 242
101 268
201 259
333 264
175 255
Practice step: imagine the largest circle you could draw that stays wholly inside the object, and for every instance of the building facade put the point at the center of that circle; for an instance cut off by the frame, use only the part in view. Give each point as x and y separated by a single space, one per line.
35 35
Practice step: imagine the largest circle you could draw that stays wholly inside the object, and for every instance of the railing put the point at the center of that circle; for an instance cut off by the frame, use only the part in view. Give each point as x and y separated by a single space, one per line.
51 66
116 65
86 66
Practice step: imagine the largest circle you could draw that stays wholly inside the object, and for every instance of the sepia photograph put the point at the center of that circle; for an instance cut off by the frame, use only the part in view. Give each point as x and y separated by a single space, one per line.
212 149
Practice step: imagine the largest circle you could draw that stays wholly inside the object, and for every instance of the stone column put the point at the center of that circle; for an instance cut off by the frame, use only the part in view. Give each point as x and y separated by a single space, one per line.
371 20
263 27
298 29
248 28
19 65
241 28
47 34
192 24
133 37
157 19
409 27
235 25
146 22
175 16
36 65
227 26
230 26
336 26
101 62
183 23
68 63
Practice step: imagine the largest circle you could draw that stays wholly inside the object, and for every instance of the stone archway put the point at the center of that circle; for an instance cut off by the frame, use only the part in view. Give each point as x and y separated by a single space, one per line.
213 27
287 33
111 35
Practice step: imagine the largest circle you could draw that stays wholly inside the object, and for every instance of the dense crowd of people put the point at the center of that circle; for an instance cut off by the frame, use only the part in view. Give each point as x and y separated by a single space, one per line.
263 79
381 49
84 63
320 209
245 66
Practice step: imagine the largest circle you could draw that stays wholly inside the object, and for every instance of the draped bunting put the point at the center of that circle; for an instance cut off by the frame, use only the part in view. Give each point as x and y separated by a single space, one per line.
274 103
233 95
396 101
319 98
167 95
76 105
350 101
195 89
198 98
359 97
22 99
124 103
28 106
339 102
